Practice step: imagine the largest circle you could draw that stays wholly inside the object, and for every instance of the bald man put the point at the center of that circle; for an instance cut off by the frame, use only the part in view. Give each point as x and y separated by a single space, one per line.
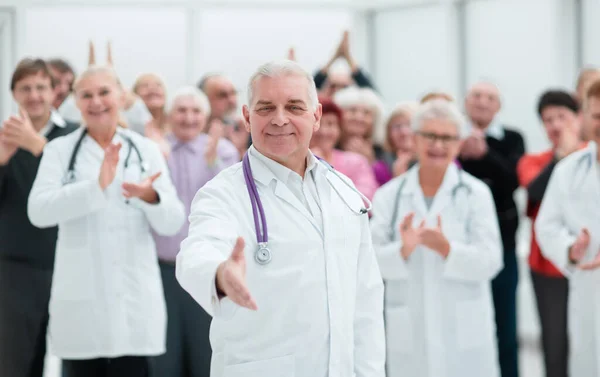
221 94
491 154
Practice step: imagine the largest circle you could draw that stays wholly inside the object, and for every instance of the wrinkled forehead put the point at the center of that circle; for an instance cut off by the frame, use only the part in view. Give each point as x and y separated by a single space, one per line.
486 89
96 80
186 102
279 90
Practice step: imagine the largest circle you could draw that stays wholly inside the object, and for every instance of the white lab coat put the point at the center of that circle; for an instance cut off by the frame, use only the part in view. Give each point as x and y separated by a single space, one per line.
107 298
439 314
572 202
316 293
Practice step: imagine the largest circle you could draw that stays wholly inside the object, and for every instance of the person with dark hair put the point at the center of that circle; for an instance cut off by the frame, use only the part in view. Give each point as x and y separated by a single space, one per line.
558 111
26 252
63 75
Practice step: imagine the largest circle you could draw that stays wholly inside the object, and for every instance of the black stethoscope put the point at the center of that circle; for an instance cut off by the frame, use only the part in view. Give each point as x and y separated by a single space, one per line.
263 254
70 174
460 185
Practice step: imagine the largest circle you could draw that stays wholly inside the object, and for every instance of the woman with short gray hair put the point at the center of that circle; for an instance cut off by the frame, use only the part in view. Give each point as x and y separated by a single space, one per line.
437 240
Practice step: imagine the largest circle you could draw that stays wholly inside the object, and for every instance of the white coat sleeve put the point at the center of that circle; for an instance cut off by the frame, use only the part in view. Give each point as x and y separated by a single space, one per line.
480 258
168 215
51 202
211 238
369 333
386 243
552 234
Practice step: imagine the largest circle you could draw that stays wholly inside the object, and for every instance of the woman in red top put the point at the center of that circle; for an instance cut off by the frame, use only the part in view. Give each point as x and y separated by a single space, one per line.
558 111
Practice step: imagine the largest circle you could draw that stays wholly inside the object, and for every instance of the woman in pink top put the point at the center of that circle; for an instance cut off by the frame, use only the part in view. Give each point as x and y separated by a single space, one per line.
353 165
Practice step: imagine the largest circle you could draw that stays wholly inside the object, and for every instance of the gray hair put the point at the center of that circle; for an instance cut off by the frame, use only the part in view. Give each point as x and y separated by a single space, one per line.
192 92
284 67
440 109
408 109
96 70
355 96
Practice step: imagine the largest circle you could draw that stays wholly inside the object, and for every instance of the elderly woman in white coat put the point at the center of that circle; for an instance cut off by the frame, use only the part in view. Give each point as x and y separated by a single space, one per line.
438 245
105 187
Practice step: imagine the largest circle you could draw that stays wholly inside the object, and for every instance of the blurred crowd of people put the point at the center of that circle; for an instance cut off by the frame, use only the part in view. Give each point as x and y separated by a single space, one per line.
50 276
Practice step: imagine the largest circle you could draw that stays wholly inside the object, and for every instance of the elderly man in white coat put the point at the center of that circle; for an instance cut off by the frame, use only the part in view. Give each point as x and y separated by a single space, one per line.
279 249
568 232
438 243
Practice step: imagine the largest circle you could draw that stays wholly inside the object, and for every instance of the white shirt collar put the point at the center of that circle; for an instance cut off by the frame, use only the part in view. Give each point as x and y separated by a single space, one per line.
494 130
281 172
55 120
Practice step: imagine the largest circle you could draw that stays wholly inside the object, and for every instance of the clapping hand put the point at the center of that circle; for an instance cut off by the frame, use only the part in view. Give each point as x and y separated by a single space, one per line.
434 239
108 169
231 277
411 237
215 133
143 190
19 131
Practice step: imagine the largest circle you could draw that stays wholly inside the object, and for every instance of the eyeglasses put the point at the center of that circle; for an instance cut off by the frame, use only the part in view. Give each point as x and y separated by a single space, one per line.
432 137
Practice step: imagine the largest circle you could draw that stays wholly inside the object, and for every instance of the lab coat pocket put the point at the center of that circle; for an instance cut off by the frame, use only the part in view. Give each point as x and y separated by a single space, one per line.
398 330
472 329
283 366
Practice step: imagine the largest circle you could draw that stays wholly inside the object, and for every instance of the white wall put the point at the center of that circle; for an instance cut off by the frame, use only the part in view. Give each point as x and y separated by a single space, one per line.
415 52
524 55
183 42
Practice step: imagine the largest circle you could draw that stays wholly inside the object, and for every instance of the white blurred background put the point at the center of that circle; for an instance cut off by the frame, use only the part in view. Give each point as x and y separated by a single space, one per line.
407 46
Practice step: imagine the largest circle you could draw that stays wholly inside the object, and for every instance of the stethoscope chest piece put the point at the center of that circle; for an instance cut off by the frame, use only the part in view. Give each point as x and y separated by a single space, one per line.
263 255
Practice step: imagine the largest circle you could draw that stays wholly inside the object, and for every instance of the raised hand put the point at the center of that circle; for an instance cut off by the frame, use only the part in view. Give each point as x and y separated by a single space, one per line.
108 169
400 166
411 237
215 133
231 277
434 239
143 190
568 142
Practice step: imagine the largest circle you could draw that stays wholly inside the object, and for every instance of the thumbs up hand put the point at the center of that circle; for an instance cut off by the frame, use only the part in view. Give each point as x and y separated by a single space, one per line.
231 278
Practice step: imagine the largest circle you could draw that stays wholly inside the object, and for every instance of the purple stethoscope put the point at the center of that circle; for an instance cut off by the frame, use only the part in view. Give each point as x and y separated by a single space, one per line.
263 254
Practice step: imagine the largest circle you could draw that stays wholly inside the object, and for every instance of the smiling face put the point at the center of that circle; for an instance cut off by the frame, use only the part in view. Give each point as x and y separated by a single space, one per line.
186 118
281 118
437 144
151 90
482 104
34 94
99 97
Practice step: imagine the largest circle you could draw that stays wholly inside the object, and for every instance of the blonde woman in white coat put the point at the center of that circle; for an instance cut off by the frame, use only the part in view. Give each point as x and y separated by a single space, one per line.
105 187
438 244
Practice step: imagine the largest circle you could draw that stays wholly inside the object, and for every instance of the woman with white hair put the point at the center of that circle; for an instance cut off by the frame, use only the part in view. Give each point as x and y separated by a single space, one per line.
105 187
438 244
362 131
399 154
196 158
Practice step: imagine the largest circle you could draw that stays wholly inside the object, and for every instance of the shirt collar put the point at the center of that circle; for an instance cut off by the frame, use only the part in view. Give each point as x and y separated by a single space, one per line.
281 172
494 130
55 120
194 146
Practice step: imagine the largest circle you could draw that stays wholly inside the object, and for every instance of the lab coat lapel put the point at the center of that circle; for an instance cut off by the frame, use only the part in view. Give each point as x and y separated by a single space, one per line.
412 193
445 195
263 175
